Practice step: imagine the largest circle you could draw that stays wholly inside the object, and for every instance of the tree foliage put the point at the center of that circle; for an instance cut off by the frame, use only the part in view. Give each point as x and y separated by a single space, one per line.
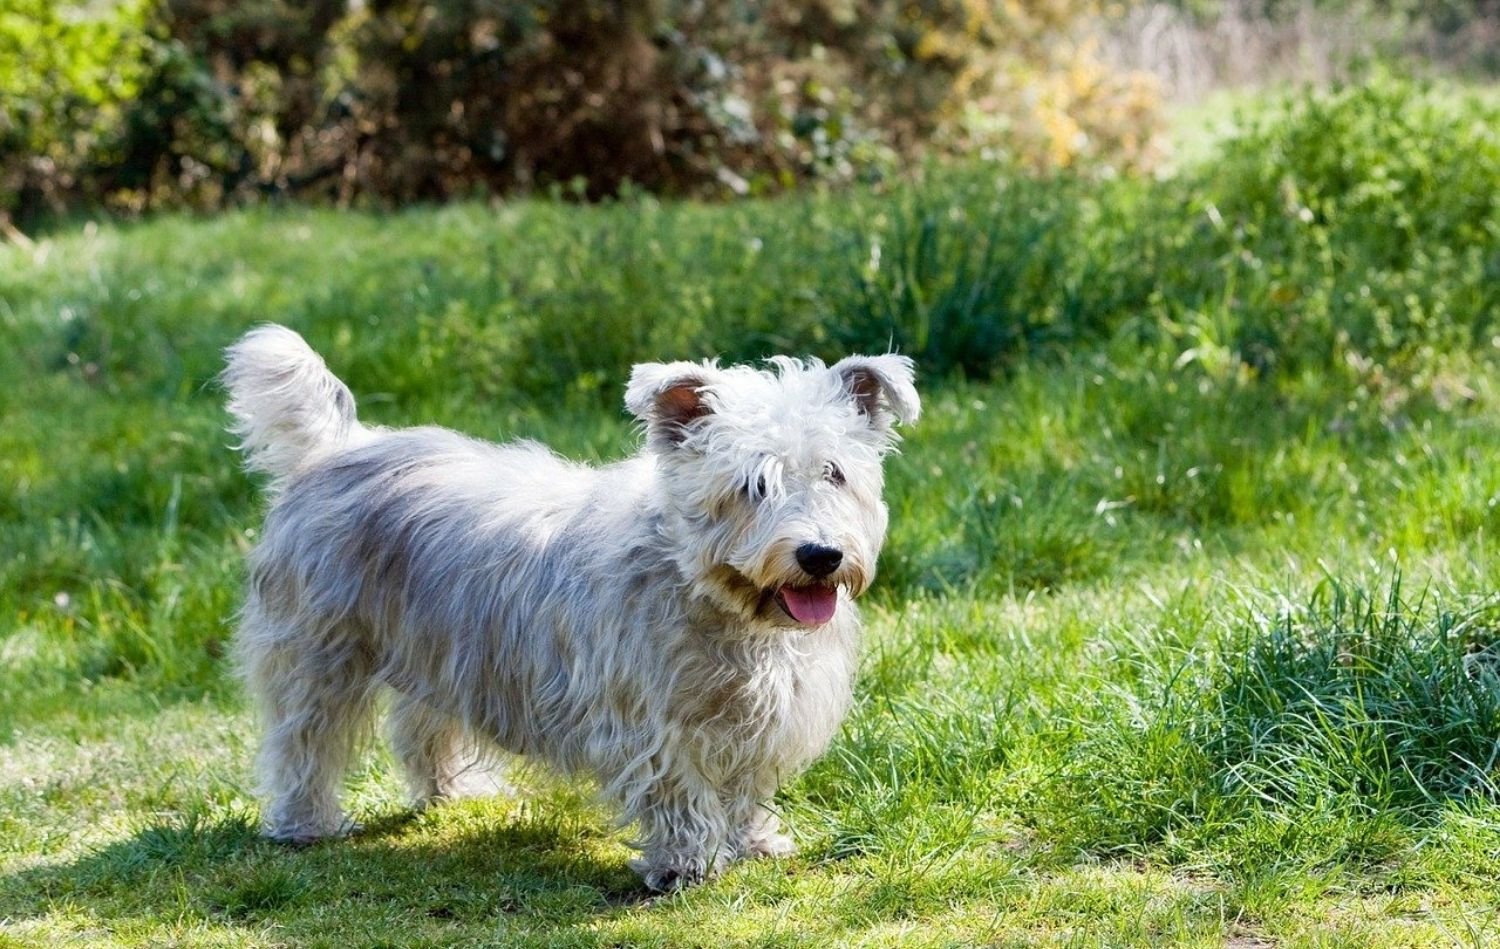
202 102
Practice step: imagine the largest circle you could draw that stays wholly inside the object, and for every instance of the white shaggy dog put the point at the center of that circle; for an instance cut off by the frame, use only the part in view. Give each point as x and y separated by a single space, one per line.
678 625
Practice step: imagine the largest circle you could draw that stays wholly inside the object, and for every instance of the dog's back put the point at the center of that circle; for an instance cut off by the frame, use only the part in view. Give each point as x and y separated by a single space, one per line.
465 570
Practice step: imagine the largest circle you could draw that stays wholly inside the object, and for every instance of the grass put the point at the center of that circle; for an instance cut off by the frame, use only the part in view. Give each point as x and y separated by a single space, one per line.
1187 629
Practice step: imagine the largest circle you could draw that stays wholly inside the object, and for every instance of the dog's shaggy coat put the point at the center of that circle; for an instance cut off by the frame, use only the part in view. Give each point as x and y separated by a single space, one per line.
651 623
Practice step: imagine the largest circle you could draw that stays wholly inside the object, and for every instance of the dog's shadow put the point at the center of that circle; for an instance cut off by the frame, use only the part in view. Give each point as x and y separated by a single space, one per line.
563 871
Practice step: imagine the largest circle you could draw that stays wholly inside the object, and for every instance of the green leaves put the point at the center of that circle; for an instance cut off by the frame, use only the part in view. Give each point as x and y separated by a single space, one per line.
65 72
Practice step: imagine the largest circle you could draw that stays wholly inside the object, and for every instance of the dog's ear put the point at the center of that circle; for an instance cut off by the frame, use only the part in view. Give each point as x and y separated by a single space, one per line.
669 398
882 387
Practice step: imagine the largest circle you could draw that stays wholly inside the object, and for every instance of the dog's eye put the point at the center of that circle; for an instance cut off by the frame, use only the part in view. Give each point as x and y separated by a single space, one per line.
834 474
757 490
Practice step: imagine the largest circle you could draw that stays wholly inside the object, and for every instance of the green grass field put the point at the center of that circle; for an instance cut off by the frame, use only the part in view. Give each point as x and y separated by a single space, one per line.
1187 630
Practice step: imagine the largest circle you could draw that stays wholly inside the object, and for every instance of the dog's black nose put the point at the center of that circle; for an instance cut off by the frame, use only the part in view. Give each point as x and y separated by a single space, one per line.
819 561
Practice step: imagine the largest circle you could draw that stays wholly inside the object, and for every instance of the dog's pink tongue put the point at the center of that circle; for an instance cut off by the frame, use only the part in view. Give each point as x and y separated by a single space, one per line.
811 605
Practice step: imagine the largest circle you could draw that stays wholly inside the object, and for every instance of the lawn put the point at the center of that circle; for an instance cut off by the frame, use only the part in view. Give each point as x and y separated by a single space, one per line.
1187 630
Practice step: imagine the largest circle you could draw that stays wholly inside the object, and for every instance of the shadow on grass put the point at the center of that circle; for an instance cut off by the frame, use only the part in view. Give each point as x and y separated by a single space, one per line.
544 871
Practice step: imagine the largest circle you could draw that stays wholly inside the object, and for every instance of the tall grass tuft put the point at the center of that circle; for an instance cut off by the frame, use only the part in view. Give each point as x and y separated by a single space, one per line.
1353 706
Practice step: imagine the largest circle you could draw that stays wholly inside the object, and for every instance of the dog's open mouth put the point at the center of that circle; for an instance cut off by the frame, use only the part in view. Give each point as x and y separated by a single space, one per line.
810 605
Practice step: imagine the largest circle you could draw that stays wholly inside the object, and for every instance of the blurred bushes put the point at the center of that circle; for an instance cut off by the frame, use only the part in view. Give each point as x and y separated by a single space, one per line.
65 82
1455 32
1365 226
197 103
1380 163
1353 237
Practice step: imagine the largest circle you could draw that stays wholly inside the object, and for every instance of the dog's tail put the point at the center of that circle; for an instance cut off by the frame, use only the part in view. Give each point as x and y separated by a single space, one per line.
288 409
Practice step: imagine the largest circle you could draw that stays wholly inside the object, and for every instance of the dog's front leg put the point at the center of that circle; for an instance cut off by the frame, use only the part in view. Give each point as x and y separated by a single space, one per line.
685 835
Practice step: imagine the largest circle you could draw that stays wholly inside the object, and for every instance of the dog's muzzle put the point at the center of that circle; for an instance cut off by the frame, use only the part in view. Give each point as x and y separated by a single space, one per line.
813 604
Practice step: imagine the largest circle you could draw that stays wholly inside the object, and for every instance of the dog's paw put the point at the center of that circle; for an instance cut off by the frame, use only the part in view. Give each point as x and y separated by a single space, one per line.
763 837
477 781
671 879
670 874
774 844
305 835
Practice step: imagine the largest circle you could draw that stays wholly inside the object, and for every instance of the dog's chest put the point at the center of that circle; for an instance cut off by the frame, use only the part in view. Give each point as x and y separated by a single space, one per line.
768 712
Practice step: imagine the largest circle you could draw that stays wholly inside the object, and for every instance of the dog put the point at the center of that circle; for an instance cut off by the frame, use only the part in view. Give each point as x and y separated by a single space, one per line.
679 626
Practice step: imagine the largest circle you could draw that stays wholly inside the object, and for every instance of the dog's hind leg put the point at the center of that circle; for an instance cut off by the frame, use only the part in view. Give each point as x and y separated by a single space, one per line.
440 758
315 688
760 834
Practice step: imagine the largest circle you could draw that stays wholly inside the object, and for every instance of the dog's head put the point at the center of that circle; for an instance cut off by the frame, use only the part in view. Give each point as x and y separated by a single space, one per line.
773 477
